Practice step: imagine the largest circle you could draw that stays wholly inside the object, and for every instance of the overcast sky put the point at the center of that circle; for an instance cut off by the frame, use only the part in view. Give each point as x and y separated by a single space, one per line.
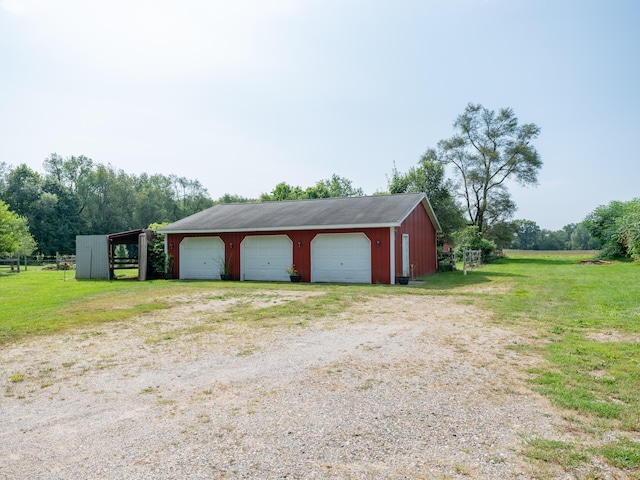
244 94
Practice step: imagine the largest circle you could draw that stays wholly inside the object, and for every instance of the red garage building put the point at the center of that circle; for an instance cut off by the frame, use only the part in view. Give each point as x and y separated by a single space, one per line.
343 240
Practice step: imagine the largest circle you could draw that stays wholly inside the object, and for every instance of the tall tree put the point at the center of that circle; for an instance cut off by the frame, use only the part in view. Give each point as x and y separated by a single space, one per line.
429 177
617 227
23 188
602 224
338 186
283 191
14 233
74 173
550 240
57 220
4 171
629 229
26 243
190 196
581 239
9 241
154 200
229 198
487 149
527 235
502 234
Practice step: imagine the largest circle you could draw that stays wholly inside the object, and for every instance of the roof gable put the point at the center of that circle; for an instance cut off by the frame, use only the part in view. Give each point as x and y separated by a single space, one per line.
340 212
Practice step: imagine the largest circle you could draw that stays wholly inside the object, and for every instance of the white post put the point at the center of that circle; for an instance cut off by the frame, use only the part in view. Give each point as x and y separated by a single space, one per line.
464 261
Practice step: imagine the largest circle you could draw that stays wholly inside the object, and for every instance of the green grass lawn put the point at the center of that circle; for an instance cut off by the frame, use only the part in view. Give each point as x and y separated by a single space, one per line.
39 301
583 321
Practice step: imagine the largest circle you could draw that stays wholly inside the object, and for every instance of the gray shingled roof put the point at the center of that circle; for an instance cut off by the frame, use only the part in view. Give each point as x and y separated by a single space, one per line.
375 211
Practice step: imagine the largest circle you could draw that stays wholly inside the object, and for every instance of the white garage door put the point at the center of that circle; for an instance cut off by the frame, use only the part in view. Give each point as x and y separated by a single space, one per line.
341 258
201 258
266 257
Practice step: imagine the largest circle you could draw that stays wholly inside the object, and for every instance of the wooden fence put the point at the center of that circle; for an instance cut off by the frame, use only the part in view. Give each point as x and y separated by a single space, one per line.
61 262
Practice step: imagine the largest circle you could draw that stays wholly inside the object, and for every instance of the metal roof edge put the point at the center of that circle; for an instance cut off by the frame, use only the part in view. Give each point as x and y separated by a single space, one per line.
283 228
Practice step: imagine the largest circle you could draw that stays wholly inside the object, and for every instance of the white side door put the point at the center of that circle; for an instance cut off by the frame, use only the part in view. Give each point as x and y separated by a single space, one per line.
405 255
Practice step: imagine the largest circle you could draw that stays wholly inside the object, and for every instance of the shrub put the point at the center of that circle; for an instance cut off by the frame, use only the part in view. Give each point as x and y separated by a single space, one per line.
470 238
158 260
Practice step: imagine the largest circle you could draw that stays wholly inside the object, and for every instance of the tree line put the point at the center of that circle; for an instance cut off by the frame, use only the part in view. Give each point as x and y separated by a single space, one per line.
465 178
77 196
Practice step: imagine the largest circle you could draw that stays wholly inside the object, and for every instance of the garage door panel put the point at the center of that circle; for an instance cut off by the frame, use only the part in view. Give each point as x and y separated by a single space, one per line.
201 258
341 258
266 257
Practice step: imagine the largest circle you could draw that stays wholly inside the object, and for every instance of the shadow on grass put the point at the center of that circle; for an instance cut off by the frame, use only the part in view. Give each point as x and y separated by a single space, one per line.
457 279
541 261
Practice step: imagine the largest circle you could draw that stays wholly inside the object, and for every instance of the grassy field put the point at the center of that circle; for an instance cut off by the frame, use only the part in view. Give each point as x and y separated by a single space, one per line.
582 322
40 302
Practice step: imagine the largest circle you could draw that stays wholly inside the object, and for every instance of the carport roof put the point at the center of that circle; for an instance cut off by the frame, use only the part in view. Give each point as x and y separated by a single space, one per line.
128 238
324 213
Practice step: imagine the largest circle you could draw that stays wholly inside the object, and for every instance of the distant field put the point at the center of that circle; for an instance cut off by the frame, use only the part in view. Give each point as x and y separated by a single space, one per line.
568 254
582 322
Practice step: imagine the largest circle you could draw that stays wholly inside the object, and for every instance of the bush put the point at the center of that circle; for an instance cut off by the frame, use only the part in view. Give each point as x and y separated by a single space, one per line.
158 260
470 238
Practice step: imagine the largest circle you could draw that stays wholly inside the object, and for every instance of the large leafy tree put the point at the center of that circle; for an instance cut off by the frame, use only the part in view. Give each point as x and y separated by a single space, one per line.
231 198
190 196
14 233
56 219
502 233
23 188
429 177
283 191
26 243
488 149
527 235
629 229
553 240
8 239
73 173
336 186
616 226
581 239
26 197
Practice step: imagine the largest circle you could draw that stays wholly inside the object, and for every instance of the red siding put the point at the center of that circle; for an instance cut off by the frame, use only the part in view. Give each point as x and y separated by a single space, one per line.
422 243
422 247
379 253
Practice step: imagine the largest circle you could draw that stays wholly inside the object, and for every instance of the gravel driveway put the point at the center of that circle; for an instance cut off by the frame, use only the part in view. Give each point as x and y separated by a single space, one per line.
395 387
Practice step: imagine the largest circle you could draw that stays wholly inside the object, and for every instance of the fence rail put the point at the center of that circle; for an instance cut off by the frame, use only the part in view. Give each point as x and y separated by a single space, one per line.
12 263
61 262
122 263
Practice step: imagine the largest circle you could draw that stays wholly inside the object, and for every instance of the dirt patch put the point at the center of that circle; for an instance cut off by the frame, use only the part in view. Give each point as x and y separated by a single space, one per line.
393 387
614 337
